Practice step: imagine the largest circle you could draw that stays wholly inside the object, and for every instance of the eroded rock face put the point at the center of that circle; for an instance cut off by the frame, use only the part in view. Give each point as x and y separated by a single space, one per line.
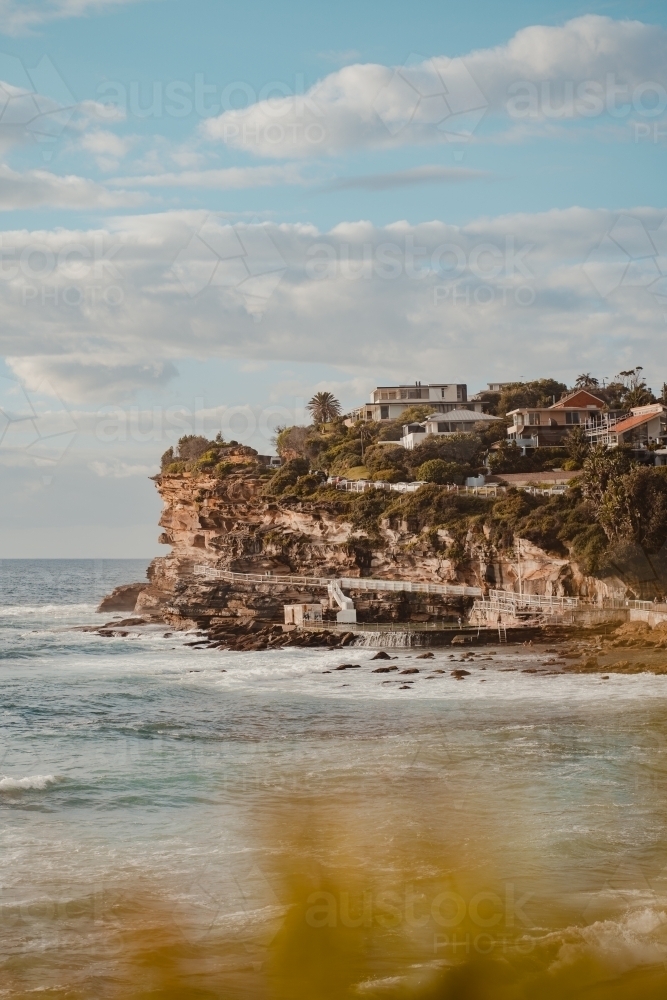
228 524
123 598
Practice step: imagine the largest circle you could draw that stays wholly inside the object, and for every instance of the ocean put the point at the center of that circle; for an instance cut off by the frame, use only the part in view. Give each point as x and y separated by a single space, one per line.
183 822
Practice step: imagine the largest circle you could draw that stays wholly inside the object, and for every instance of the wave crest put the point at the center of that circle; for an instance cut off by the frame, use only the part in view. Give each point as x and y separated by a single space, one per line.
36 782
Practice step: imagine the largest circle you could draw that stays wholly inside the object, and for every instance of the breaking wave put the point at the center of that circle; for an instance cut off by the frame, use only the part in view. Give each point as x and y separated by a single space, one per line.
35 782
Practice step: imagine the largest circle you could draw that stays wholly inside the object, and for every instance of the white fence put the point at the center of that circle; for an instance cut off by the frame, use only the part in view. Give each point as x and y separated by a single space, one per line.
350 583
510 597
490 490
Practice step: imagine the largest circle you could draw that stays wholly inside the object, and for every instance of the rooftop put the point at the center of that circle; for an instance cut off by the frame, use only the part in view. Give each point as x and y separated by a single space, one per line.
471 416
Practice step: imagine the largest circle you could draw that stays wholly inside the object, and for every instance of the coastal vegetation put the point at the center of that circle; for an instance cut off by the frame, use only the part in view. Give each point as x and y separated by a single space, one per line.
613 517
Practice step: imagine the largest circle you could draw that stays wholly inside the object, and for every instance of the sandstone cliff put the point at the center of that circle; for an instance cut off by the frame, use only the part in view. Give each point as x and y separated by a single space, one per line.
229 523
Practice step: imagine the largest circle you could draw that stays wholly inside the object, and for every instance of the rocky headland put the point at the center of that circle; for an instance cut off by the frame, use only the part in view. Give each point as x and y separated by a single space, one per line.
231 516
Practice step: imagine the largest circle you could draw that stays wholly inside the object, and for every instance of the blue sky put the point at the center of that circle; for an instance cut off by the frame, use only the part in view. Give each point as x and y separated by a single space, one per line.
215 209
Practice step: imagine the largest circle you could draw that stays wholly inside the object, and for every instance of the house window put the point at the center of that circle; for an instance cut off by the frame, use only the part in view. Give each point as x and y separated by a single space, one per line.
534 419
518 419
384 413
443 428
369 414
571 417
459 392
414 394
442 392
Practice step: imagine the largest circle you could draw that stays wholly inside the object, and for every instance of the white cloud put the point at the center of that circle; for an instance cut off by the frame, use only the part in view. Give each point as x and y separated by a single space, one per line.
18 17
225 179
81 378
435 297
121 470
542 73
37 188
107 147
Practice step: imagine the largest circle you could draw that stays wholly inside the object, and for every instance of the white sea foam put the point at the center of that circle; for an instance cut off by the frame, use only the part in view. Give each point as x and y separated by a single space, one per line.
37 782
57 610
637 939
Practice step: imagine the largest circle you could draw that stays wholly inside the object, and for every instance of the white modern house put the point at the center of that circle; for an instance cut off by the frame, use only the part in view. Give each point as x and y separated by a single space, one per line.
440 425
492 387
389 402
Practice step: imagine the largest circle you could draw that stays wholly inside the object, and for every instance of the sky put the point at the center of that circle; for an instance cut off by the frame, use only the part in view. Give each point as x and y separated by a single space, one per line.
211 211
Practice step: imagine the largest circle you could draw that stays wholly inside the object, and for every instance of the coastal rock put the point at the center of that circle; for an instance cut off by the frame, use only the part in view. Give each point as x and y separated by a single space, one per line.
123 598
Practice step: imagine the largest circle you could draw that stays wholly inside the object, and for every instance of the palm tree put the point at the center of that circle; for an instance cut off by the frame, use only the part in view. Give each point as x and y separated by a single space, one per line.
586 381
324 407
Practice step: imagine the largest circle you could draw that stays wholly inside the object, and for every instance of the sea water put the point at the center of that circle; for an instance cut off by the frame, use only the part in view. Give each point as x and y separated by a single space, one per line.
177 821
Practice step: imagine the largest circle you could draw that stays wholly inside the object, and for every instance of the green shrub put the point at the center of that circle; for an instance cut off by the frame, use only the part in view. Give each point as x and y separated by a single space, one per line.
286 476
206 462
391 475
436 470
307 484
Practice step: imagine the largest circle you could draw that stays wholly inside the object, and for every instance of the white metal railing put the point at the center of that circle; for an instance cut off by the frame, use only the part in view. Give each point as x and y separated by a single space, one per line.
362 485
350 583
416 587
343 602
614 602
532 600
490 490
225 574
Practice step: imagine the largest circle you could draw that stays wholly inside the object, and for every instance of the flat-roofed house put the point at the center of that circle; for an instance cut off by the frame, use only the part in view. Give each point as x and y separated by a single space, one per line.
548 426
442 424
389 402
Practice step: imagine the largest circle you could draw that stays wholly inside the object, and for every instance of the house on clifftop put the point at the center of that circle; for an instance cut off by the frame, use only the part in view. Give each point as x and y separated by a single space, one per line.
548 426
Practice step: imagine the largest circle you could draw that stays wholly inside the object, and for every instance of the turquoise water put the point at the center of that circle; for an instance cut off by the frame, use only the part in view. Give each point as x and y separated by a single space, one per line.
140 777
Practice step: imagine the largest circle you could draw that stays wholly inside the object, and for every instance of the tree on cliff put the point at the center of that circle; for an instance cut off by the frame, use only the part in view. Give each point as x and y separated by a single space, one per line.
577 447
324 407
628 500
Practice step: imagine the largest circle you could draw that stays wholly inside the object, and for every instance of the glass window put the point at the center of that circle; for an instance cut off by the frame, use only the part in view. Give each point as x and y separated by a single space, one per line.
384 413
534 419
